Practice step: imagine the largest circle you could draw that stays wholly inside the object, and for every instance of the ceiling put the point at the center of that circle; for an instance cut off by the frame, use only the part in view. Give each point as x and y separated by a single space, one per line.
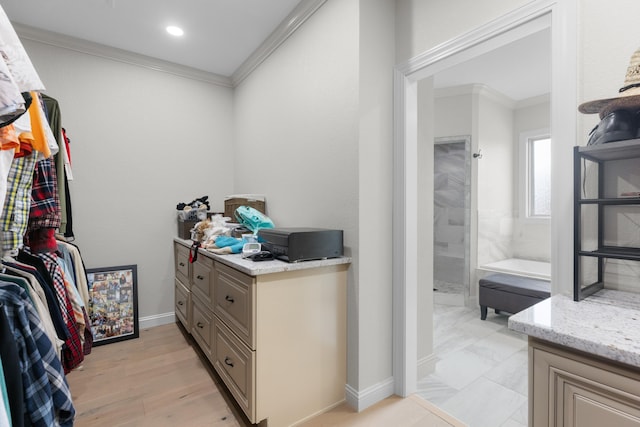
220 35
519 70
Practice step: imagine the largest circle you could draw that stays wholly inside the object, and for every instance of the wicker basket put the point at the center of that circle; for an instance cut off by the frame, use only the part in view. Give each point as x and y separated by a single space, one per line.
231 203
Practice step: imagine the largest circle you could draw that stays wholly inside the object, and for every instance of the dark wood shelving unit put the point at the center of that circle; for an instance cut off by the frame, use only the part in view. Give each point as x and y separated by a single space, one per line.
599 155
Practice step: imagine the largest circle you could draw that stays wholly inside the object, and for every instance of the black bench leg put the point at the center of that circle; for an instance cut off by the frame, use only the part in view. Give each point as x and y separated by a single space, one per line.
497 311
483 312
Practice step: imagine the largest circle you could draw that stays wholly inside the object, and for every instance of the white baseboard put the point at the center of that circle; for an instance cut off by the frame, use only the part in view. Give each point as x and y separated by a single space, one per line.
156 320
361 400
427 365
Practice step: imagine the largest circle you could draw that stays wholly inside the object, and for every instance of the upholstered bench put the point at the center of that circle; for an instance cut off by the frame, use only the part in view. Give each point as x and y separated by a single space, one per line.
506 292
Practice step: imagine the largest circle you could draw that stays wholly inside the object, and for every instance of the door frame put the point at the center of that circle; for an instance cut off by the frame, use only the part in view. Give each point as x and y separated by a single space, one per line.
561 16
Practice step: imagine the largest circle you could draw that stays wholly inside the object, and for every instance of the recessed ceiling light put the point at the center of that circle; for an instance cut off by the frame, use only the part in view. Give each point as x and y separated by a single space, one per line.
175 31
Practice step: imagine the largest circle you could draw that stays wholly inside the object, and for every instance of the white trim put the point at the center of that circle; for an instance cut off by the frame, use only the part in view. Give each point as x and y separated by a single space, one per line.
405 242
156 320
476 89
361 400
95 49
289 25
427 365
532 17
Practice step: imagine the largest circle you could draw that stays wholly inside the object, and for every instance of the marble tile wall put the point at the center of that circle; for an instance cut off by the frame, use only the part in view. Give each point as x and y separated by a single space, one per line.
495 235
450 227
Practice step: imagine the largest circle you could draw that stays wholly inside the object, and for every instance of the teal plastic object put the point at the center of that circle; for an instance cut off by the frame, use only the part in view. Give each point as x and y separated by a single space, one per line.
252 218
232 242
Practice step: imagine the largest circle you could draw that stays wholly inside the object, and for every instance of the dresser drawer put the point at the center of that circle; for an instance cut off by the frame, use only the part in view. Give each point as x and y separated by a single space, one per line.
183 304
202 328
202 279
235 363
234 302
181 258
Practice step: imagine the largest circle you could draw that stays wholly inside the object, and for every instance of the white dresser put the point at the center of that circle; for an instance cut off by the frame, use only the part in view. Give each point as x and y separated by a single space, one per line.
275 332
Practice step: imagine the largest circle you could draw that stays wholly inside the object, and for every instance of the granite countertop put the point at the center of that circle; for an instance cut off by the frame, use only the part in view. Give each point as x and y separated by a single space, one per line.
254 268
606 324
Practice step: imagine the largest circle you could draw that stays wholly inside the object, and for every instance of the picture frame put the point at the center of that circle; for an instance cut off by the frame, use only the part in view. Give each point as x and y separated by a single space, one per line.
113 303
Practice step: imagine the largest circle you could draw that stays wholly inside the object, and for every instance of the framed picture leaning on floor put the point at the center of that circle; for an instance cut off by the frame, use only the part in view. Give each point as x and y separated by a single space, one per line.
113 303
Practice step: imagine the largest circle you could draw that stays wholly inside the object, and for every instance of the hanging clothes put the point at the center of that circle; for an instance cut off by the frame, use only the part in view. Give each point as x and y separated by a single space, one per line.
46 263
44 327
39 299
15 213
46 392
12 372
12 103
29 272
16 58
54 117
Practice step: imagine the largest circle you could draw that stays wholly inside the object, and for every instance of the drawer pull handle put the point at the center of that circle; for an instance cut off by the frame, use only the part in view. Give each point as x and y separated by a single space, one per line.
199 277
182 264
200 325
229 298
180 302
228 362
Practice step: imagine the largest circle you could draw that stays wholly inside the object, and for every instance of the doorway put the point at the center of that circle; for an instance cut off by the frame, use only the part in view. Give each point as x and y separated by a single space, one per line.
451 219
512 26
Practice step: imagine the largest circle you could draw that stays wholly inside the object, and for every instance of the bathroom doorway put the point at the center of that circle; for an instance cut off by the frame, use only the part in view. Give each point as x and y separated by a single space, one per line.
451 220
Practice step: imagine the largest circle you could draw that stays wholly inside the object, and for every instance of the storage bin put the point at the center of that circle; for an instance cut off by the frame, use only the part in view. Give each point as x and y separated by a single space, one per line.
231 203
185 226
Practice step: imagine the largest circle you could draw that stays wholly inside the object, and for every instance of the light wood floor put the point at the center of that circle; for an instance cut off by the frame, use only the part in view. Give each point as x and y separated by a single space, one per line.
159 379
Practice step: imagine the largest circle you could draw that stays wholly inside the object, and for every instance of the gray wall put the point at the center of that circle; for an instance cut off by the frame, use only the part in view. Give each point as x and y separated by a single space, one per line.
141 141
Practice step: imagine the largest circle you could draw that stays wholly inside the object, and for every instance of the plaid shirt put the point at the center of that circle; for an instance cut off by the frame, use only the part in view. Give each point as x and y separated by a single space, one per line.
45 205
15 214
46 392
72 352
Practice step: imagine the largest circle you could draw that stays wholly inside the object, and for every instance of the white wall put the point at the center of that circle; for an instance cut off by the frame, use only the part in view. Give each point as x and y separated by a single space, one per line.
313 124
141 141
495 178
373 266
428 113
296 127
453 114
531 239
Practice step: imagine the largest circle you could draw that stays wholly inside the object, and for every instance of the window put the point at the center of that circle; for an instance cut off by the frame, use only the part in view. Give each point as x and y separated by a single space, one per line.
535 149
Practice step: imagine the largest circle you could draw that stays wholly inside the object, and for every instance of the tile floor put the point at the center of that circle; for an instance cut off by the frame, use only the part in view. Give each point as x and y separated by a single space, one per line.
481 368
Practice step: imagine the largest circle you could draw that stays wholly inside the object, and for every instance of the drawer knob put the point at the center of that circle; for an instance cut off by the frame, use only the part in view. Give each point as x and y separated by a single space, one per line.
182 264
228 361
229 299
180 302
200 325
199 277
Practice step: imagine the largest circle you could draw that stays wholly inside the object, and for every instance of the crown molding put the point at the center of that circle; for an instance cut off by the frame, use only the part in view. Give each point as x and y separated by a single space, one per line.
289 25
476 89
26 32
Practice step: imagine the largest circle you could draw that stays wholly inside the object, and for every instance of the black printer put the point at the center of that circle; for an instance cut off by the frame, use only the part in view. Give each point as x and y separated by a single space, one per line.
302 244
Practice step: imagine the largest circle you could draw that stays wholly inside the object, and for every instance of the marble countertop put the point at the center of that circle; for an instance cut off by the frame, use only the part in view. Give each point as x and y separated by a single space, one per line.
606 324
258 268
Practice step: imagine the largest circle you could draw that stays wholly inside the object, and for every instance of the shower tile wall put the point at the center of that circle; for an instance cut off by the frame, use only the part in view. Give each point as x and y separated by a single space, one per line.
449 212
